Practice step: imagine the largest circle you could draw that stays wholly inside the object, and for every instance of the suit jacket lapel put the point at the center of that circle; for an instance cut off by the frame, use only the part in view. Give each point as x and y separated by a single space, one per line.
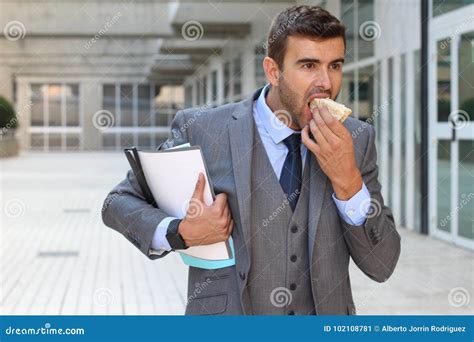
241 134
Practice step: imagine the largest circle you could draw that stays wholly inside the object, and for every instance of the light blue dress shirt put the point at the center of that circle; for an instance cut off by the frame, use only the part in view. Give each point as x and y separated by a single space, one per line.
272 133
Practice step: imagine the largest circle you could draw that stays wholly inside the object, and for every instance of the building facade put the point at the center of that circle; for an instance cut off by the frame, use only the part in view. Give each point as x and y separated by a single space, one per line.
111 76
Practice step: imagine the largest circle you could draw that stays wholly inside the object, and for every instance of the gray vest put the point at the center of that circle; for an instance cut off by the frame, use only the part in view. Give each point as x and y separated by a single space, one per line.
279 278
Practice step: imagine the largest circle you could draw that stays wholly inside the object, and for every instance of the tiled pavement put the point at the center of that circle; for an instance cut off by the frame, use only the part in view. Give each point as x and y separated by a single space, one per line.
58 258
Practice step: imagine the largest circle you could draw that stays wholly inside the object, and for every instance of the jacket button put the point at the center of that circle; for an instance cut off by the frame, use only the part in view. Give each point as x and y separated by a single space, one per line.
293 258
293 287
294 229
291 313
242 275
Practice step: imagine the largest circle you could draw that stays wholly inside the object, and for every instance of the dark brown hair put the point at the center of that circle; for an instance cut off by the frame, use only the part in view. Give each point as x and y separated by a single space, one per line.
313 22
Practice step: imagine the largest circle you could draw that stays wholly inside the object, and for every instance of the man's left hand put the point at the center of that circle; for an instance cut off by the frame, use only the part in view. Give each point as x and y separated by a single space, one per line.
334 150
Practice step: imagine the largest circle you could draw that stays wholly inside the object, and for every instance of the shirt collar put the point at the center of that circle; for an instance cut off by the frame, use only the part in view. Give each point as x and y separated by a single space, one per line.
277 131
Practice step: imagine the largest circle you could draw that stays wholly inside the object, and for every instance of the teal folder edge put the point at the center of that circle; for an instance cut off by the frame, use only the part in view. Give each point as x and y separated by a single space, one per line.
209 264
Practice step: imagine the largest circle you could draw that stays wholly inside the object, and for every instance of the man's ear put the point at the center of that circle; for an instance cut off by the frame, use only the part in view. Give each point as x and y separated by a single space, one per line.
270 66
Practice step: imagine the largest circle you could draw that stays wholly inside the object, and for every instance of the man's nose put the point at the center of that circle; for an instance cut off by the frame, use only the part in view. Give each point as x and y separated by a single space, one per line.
322 80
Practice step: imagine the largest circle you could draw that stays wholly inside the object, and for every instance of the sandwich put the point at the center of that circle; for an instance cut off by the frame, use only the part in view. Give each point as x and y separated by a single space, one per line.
337 110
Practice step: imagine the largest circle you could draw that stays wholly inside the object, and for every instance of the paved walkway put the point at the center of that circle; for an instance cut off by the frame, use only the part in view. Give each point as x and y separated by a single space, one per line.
58 258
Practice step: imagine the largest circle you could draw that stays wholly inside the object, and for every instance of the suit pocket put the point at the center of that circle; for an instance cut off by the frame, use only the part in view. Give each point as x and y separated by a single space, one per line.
351 310
211 305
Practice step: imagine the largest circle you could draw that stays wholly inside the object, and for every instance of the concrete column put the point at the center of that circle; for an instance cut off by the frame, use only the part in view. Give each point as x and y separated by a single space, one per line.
23 111
6 83
249 83
91 103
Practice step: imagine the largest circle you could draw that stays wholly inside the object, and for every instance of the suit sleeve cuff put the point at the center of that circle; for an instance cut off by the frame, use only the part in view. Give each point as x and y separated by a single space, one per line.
160 243
355 210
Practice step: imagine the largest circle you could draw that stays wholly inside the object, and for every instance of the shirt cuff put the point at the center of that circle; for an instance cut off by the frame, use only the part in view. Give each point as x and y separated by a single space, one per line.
355 210
160 243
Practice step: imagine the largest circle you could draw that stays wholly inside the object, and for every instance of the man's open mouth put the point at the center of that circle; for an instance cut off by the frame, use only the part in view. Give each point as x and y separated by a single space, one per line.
317 96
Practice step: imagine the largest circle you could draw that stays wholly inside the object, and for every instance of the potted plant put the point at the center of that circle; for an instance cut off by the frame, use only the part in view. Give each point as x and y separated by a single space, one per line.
8 125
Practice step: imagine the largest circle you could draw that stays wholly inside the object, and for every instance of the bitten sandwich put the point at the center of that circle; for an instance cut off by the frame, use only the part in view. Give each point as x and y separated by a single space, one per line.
338 110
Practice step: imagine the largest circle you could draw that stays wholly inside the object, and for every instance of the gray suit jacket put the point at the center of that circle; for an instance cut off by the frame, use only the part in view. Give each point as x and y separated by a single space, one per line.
225 135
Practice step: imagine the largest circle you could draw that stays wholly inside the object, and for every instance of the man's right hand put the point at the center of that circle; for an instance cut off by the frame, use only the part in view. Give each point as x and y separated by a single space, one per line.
203 224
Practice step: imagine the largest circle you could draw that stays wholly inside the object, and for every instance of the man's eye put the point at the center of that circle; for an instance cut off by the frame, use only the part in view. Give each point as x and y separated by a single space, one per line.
308 65
336 66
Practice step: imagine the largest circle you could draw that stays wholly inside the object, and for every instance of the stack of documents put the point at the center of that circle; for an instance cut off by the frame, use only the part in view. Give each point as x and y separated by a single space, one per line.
167 179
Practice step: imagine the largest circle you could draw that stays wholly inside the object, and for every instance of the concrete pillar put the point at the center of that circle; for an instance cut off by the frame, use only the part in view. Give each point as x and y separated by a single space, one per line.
249 83
6 83
23 111
91 103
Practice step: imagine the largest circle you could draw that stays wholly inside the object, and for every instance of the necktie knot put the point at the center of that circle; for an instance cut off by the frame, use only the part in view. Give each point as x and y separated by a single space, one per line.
293 142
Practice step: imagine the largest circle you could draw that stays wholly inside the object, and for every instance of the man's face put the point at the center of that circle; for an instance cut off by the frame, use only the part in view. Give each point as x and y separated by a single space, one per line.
310 69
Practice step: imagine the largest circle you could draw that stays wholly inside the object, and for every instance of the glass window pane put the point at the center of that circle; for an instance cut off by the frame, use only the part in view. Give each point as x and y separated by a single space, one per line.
347 18
108 141
366 93
204 90
417 125
54 110
54 141
346 95
390 131
108 100
144 106
226 79
126 105
144 141
126 140
443 185
368 30
214 85
466 77
188 96
72 104
444 80
403 125
198 91
72 141
466 189
37 141
236 77
444 6
38 92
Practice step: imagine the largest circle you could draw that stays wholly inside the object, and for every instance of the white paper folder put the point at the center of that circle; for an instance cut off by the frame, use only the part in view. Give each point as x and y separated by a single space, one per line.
168 179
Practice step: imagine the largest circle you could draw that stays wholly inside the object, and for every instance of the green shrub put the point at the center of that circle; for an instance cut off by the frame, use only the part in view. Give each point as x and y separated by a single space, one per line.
7 114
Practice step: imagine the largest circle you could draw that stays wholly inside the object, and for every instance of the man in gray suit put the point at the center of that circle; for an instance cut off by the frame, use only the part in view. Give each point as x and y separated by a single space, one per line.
296 189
